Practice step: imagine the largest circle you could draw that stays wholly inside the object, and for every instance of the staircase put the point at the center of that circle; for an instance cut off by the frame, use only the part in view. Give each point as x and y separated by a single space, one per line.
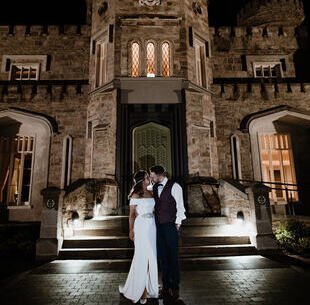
107 240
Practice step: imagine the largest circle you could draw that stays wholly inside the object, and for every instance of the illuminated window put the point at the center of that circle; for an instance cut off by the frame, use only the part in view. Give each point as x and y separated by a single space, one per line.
278 165
25 72
19 174
101 63
135 59
200 58
165 51
150 60
267 70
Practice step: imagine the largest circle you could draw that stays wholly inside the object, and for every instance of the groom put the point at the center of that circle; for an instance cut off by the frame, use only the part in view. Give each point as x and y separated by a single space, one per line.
169 213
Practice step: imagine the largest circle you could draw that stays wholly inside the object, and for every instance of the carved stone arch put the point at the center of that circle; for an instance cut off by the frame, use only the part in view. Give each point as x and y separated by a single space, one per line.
151 146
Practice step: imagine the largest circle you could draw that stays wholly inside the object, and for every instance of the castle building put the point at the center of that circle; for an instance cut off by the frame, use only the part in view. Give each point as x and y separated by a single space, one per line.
146 82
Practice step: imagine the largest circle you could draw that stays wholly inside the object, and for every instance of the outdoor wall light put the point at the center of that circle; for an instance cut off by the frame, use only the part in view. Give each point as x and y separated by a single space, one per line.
240 216
75 218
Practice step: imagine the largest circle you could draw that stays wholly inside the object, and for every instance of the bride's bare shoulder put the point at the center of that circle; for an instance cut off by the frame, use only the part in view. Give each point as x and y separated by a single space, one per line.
134 196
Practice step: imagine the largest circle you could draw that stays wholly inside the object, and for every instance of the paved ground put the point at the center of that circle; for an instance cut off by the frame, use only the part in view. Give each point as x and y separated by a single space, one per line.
224 281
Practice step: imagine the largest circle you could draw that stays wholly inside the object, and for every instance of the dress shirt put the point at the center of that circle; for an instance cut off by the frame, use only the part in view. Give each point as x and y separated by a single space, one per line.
177 194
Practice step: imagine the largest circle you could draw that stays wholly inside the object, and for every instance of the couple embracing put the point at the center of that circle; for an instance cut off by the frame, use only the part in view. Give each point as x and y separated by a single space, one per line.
154 223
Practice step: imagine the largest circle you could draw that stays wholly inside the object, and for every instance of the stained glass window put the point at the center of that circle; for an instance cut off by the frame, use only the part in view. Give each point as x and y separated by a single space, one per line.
165 50
135 60
150 56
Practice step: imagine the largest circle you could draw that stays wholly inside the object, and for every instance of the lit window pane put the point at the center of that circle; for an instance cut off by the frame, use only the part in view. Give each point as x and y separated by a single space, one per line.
135 67
278 165
150 55
166 59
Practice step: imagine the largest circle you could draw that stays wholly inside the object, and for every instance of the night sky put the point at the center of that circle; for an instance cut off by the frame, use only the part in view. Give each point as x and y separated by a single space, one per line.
221 12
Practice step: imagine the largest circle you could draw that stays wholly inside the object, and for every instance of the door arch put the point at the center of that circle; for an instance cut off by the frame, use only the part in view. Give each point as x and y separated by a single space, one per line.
151 145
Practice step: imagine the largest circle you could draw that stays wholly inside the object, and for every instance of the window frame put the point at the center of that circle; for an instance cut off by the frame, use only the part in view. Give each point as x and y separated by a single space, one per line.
269 65
139 58
23 65
269 150
155 58
170 58
201 67
101 62
19 186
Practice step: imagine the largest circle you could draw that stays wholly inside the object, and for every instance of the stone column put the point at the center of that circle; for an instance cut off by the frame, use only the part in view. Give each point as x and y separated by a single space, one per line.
49 243
262 236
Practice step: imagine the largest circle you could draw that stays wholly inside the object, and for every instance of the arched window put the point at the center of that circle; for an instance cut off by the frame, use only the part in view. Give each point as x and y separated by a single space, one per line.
135 59
66 162
150 60
165 54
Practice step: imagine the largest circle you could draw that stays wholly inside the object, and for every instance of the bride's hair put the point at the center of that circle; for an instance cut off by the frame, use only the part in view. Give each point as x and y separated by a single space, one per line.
138 179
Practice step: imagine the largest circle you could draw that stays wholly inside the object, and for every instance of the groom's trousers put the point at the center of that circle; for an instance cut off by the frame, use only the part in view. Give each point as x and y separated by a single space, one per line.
168 254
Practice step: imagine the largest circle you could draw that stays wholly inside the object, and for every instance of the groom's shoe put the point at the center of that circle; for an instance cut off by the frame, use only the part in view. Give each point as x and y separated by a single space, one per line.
163 293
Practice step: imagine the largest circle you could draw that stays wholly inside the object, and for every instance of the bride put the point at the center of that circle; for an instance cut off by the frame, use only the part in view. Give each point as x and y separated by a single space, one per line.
142 279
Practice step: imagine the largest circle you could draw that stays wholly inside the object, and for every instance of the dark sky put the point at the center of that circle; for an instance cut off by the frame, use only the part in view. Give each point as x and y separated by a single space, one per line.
221 12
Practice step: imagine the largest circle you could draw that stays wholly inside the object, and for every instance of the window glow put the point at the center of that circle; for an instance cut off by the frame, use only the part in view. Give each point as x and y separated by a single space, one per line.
150 58
135 59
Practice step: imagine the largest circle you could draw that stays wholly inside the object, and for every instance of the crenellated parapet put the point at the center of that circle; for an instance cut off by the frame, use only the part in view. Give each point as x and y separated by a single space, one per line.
19 31
272 12
23 92
247 89
269 33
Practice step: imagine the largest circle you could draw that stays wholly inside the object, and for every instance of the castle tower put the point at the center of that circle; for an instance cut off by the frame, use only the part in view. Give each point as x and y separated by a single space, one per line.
272 12
150 102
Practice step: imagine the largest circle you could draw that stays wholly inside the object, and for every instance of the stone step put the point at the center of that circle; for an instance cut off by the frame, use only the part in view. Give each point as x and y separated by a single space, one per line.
117 225
217 230
124 242
185 252
188 230
106 222
205 221
81 232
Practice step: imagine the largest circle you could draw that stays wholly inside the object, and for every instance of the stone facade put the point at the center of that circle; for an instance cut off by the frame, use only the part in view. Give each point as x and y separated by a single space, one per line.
86 95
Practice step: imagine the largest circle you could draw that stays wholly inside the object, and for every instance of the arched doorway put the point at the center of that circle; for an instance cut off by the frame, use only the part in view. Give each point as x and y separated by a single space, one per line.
279 148
151 145
24 160
149 134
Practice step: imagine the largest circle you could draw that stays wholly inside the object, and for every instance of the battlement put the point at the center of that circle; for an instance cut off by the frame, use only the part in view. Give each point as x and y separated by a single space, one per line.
268 32
44 30
233 90
260 12
45 90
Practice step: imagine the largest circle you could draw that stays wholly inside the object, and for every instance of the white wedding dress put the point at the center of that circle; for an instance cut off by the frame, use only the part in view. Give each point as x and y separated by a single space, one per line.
143 272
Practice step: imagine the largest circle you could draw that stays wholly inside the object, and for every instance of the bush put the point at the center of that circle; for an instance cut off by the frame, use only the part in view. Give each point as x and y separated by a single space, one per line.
294 236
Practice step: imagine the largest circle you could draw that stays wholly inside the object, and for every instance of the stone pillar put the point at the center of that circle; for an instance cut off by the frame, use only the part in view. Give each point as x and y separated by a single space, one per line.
261 233
49 243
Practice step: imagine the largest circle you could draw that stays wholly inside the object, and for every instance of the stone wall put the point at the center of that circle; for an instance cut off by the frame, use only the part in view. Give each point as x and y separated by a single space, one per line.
282 12
235 49
101 146
201 141
233 102
67 49
60 93
233 201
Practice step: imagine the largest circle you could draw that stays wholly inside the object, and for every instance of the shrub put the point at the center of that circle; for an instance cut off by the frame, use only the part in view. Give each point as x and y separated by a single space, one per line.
294 236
